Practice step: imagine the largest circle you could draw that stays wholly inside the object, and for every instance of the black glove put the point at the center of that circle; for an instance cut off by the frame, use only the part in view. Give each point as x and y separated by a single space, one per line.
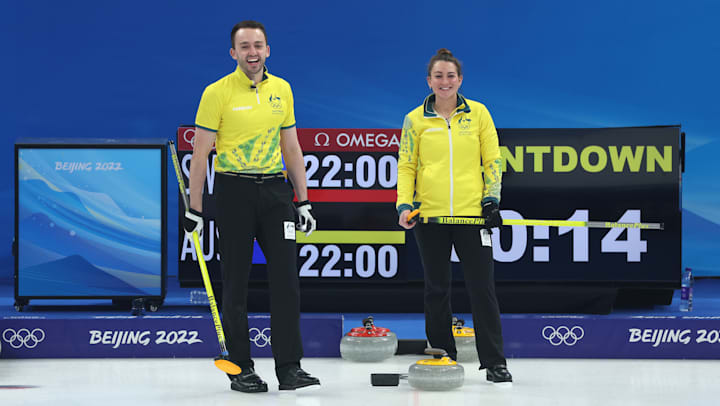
491 214
193 221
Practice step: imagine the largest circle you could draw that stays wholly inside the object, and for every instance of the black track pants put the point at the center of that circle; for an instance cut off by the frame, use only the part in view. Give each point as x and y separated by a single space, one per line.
435 244
247 210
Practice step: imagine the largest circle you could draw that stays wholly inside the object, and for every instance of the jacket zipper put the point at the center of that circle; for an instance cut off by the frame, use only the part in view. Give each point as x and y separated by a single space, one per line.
450 142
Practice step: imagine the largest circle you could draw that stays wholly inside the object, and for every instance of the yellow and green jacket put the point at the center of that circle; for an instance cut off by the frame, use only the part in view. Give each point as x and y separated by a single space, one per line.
448 167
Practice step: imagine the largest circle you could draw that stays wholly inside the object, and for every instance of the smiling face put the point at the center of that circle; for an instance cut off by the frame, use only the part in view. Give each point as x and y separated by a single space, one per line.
250 51
444 80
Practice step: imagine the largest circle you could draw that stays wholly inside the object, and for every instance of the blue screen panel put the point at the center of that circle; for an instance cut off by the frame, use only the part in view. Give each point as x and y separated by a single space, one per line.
89 222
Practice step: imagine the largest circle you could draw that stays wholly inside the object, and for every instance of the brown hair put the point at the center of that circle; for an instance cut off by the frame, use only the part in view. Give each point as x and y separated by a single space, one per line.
443 54
246 24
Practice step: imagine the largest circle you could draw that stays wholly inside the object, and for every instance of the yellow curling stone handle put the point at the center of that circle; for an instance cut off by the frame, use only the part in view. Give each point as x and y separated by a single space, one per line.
433 361
463 332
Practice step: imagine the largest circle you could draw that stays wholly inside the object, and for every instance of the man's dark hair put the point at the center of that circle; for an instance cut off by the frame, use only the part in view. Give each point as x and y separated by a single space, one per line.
246 24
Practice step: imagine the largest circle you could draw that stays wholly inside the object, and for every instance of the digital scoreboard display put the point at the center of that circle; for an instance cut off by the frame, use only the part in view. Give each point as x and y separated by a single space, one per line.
599 174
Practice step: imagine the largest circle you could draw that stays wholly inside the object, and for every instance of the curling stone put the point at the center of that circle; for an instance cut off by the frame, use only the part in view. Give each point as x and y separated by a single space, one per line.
367 345
370 320
464 341
436 374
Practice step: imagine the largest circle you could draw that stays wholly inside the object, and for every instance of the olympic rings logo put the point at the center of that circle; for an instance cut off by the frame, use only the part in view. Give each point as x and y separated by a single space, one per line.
259 337
23 337
189 136
563 335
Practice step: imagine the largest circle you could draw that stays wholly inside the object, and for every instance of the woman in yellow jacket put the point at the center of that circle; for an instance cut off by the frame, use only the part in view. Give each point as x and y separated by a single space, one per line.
449 165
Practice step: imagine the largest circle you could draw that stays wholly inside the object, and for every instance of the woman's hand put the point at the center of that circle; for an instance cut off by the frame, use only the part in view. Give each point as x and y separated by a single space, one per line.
403 220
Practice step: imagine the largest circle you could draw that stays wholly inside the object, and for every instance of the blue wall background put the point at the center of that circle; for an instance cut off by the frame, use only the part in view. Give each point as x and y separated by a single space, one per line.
136 69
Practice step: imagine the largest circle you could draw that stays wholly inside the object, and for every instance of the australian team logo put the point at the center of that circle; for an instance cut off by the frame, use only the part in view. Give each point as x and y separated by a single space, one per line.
275 102
464 123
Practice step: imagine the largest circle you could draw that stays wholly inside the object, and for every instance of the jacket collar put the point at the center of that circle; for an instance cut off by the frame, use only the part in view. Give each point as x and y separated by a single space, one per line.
242 77
429 105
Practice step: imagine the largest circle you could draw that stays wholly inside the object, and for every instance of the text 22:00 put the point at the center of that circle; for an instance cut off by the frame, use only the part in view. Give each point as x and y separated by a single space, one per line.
366 261
368 171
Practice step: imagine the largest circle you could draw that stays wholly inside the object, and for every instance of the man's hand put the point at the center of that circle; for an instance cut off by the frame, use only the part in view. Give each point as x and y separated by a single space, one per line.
491 214
193 221
306 223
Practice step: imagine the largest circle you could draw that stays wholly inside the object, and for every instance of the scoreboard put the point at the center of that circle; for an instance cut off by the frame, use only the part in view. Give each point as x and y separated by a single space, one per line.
598 174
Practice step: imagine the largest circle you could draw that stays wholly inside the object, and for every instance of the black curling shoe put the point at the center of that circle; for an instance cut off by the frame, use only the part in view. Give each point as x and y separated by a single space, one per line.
295 378
499 374
247 381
